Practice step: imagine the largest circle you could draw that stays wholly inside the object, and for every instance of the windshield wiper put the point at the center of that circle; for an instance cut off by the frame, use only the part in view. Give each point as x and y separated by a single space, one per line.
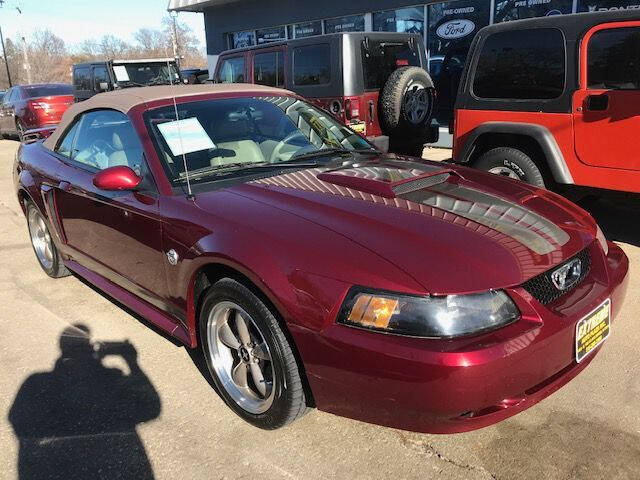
330 151
130 83
236 167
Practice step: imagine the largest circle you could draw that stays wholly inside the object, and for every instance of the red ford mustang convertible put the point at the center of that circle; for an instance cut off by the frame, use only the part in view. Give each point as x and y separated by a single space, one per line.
314 270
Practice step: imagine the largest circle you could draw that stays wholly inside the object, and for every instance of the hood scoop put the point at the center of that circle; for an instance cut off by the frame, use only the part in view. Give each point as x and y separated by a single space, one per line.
384 181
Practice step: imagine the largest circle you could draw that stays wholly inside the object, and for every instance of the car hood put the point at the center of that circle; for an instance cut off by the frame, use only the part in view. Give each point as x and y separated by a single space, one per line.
453 229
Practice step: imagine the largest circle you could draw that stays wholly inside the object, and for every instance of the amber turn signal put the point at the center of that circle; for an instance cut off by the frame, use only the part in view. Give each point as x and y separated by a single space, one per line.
370 311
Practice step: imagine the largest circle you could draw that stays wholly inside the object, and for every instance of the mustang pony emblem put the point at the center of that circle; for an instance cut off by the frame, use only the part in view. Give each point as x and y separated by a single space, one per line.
567 275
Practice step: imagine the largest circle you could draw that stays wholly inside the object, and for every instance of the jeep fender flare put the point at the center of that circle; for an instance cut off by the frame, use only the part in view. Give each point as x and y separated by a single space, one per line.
543 137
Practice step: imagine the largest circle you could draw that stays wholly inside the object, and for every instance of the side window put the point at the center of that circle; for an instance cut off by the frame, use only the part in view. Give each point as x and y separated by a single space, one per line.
104 138
7 96
82 78
65 147
613 59
312 65
231 70
16 94
268 69
522 65
99 75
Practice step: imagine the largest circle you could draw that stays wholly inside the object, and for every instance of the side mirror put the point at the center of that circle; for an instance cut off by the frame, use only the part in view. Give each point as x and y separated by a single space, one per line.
103 86
116 178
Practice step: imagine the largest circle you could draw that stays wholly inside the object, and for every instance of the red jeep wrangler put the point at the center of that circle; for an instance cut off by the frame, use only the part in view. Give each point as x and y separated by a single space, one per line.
554 100
374 82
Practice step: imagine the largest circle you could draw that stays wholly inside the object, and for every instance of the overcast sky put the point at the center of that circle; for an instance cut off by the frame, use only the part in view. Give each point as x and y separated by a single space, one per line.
78 20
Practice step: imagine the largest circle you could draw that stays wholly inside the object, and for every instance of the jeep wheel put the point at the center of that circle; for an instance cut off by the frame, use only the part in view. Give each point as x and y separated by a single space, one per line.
406 104
512 163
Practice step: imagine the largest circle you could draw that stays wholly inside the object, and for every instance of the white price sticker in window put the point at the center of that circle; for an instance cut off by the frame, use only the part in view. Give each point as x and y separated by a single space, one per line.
121 73
185 136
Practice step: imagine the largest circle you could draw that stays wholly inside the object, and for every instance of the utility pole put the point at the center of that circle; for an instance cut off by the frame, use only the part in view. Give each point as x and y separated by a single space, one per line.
4 52
25 56
174 37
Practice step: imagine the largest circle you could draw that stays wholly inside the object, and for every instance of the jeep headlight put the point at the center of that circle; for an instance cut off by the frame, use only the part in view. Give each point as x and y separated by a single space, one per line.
429 316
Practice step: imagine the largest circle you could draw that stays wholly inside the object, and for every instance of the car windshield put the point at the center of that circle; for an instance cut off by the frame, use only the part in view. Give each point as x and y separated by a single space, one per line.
239 134
136 74
47 90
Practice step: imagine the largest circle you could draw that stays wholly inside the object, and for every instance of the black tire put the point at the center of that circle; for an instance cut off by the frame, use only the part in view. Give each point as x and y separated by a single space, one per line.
401 87
289 400
511 161
405 147
56 269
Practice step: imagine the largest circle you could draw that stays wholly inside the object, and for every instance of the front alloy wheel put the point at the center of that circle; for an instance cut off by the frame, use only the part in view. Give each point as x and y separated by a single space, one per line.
249 357
240 357
46 252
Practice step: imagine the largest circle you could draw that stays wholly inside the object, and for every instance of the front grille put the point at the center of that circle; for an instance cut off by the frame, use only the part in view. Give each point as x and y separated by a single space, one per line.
543 289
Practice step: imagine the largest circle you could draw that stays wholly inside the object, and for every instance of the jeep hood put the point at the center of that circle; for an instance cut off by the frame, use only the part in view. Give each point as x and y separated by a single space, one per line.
453 229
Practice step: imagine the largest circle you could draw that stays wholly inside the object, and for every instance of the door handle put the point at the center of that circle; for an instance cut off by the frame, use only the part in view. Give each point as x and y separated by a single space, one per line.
598 103
64 186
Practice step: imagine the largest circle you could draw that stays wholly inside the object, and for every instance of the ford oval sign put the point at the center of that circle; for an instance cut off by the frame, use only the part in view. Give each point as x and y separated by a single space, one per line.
455 29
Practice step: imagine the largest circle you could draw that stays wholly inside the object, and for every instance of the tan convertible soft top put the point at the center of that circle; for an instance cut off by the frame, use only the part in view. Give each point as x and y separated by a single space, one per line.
125 99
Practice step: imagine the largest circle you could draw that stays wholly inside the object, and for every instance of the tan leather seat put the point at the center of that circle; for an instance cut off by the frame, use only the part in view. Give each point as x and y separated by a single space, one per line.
234 143
127 150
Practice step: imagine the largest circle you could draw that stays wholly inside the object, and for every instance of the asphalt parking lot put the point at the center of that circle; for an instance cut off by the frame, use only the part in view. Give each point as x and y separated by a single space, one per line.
590 429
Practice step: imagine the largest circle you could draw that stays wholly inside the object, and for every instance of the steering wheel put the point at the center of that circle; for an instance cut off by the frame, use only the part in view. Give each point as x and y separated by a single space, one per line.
277 151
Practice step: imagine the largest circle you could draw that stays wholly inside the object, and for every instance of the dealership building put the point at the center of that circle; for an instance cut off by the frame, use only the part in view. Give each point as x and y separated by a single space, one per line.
446 27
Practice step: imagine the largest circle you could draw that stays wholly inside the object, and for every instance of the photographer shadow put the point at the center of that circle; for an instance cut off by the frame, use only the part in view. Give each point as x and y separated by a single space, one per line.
79 419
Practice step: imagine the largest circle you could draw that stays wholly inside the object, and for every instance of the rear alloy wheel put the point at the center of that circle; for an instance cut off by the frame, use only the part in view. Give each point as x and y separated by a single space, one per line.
20 129
249 357
46 252
511 162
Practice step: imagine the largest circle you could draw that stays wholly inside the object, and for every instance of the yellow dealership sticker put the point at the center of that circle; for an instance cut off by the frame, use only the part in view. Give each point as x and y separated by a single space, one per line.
358 127
592 330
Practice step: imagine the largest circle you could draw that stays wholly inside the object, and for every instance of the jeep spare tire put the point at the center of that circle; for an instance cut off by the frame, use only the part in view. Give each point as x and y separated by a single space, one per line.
406 104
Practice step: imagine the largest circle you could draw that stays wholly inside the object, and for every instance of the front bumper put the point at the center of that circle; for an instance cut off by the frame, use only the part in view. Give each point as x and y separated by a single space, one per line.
439 386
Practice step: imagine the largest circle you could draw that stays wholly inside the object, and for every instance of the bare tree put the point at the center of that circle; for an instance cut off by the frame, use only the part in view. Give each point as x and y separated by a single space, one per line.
152 42
110 47
188 44
14 59
48 58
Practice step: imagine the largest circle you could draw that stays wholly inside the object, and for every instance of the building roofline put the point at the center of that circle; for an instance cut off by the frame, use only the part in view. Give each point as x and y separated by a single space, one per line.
195 5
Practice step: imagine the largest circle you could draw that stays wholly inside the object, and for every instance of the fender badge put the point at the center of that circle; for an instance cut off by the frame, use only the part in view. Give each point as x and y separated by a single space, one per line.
172 257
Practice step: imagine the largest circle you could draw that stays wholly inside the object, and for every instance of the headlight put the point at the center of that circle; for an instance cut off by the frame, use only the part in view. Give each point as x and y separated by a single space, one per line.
602 239
441 317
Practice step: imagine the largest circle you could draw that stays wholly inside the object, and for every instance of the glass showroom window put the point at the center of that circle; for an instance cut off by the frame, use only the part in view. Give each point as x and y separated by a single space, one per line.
408 20
243 39
275 34
352 23
309 29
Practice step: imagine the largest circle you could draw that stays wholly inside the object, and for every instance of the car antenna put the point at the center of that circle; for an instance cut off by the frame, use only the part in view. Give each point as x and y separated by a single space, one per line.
190 195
